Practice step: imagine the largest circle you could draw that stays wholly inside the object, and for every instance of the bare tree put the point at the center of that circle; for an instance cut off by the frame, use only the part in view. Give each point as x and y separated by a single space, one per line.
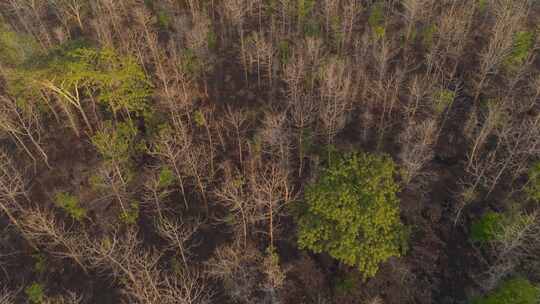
7 296
415 10
237 120
301 104
168 150
22 124
384 85
121 257
156 192
235 11
517 243
13 188
417 142
336 92
452 28
275 274
66 100
509 16
271 190
518 144
274 135
234 196
188 160
59 240
238 269
420 88
31 14
493 119
178 234
111 177
260 52
70 10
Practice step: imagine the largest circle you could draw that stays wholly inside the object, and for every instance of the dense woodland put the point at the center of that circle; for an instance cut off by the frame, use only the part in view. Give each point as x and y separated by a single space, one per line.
270 151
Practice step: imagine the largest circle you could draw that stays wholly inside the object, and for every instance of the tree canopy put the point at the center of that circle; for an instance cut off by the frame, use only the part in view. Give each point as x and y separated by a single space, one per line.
352 212
76 71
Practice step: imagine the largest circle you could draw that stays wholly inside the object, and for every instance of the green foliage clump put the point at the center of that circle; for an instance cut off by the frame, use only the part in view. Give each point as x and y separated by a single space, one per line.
427 35
199 119
487 227
166 177
284 51
533 186
443 99
352 212
376 19
35 293
117 144
163 19
131 215
522 47
482 5
513 291
70 204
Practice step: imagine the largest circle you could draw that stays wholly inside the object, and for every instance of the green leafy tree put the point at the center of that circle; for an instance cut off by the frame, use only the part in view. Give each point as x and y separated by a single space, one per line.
513 291
352 212
79 76
122 81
